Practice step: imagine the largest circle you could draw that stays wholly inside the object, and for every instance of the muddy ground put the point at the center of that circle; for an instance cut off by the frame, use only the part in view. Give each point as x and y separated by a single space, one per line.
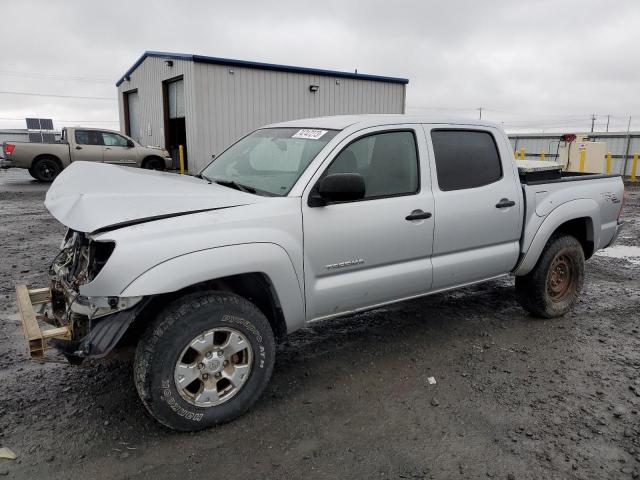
515 397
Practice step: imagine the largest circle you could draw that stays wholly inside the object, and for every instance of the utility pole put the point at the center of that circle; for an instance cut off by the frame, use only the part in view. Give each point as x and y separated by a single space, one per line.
608 122
480 110
593 121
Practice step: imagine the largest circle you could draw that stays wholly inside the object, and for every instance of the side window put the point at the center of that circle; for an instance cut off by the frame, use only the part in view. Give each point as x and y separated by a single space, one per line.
88 137
388 162
113 139
465 159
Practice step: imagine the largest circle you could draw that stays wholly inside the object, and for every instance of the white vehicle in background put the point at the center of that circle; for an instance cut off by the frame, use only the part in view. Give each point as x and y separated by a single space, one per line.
45 161
298 222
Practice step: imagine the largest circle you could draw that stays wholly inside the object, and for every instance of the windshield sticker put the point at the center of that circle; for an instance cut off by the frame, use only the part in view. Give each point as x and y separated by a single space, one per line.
309 134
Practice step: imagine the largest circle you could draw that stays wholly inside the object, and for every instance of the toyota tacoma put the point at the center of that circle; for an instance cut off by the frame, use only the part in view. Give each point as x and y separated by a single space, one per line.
299 222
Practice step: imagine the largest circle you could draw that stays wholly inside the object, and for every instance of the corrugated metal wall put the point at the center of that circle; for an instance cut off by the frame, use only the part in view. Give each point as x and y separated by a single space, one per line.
616 144
147 80
224 103
18 135
234 101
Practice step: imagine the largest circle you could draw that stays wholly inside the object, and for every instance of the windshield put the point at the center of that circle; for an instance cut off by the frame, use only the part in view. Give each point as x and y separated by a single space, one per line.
269 160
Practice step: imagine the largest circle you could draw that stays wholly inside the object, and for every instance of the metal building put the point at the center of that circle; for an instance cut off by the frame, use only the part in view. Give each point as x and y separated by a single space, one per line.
622 146
19 135
206 103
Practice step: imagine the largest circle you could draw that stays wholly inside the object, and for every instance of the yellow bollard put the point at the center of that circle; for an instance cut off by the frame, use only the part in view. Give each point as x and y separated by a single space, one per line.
181 150
608 163
634 167
542 156
583 158
522 154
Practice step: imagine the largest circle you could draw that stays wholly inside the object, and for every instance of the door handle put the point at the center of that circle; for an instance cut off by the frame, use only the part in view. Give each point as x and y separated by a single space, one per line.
107 148
505 203
78 147
418 215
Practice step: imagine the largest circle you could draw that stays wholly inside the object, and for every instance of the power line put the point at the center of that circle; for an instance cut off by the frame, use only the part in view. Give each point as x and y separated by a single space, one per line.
55 77
5 92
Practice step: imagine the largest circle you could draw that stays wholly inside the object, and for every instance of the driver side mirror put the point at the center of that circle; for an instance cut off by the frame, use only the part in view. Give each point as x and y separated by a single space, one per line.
338 187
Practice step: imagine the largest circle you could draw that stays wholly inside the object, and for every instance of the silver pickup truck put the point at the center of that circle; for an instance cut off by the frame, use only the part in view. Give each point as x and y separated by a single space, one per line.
295 223
46 160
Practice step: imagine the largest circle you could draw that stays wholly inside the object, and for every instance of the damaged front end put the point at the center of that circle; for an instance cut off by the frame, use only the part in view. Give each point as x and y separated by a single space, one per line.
78 326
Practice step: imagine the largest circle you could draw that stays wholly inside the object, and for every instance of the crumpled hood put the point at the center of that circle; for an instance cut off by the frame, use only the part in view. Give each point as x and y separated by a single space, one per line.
89 196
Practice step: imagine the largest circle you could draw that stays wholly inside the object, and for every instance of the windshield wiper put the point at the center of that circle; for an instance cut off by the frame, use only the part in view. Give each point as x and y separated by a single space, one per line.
204 177
236 185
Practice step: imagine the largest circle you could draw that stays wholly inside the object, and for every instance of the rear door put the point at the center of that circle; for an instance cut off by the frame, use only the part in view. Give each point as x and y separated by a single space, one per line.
371 251
117 150
88 146
477 202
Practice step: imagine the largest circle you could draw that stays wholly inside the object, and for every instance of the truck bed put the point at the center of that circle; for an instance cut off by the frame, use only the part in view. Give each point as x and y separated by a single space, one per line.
596 197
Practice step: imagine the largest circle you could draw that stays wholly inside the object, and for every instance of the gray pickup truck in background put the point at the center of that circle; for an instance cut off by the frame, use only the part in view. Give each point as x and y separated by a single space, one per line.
46 160
298 222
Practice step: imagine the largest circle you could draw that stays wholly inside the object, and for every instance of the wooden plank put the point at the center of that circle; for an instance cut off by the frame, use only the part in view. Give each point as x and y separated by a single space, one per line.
40 295
27 315
59 332
37 339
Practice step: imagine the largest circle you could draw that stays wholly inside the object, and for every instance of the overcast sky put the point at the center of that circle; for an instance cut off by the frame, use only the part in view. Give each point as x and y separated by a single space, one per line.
536 66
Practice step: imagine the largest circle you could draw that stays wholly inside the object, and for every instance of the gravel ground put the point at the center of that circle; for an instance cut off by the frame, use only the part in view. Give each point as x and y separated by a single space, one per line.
515 397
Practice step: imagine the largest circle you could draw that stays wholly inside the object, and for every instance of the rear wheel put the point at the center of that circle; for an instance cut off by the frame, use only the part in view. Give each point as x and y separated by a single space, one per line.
205 360
552 288
45 169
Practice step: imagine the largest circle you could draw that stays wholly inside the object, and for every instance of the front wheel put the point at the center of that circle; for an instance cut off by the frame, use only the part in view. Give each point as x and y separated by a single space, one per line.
153 163
552 288
205 360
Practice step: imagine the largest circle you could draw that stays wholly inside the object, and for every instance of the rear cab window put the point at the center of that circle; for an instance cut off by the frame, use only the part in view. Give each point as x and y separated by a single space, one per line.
465 158
88 137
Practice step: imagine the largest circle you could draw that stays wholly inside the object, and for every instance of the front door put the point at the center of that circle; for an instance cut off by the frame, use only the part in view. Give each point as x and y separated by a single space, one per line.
477 200
88 146
117 149
371 251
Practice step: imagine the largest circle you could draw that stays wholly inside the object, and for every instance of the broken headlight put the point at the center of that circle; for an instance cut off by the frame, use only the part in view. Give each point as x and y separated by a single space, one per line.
80 259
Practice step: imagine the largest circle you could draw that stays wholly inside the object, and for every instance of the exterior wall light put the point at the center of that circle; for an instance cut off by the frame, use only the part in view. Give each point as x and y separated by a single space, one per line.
314 88
168 63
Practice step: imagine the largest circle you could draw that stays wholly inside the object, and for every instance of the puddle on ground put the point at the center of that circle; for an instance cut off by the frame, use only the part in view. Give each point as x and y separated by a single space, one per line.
628 252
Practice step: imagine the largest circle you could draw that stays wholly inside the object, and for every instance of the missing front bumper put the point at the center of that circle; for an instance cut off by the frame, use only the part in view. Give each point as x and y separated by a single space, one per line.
37 307
34 308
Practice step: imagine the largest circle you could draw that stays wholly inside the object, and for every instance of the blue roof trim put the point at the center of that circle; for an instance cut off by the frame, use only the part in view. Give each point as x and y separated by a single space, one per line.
263 66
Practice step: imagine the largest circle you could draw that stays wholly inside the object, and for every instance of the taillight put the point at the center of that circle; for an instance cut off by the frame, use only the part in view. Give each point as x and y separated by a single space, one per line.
9 148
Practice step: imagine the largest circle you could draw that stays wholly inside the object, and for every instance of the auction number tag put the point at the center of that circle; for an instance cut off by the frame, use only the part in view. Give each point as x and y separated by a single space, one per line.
309 134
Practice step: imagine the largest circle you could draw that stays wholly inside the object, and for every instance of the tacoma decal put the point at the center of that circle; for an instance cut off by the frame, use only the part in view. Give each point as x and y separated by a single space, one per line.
347 263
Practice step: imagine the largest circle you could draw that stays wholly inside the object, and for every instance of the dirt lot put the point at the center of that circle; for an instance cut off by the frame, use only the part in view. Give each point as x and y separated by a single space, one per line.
515 397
